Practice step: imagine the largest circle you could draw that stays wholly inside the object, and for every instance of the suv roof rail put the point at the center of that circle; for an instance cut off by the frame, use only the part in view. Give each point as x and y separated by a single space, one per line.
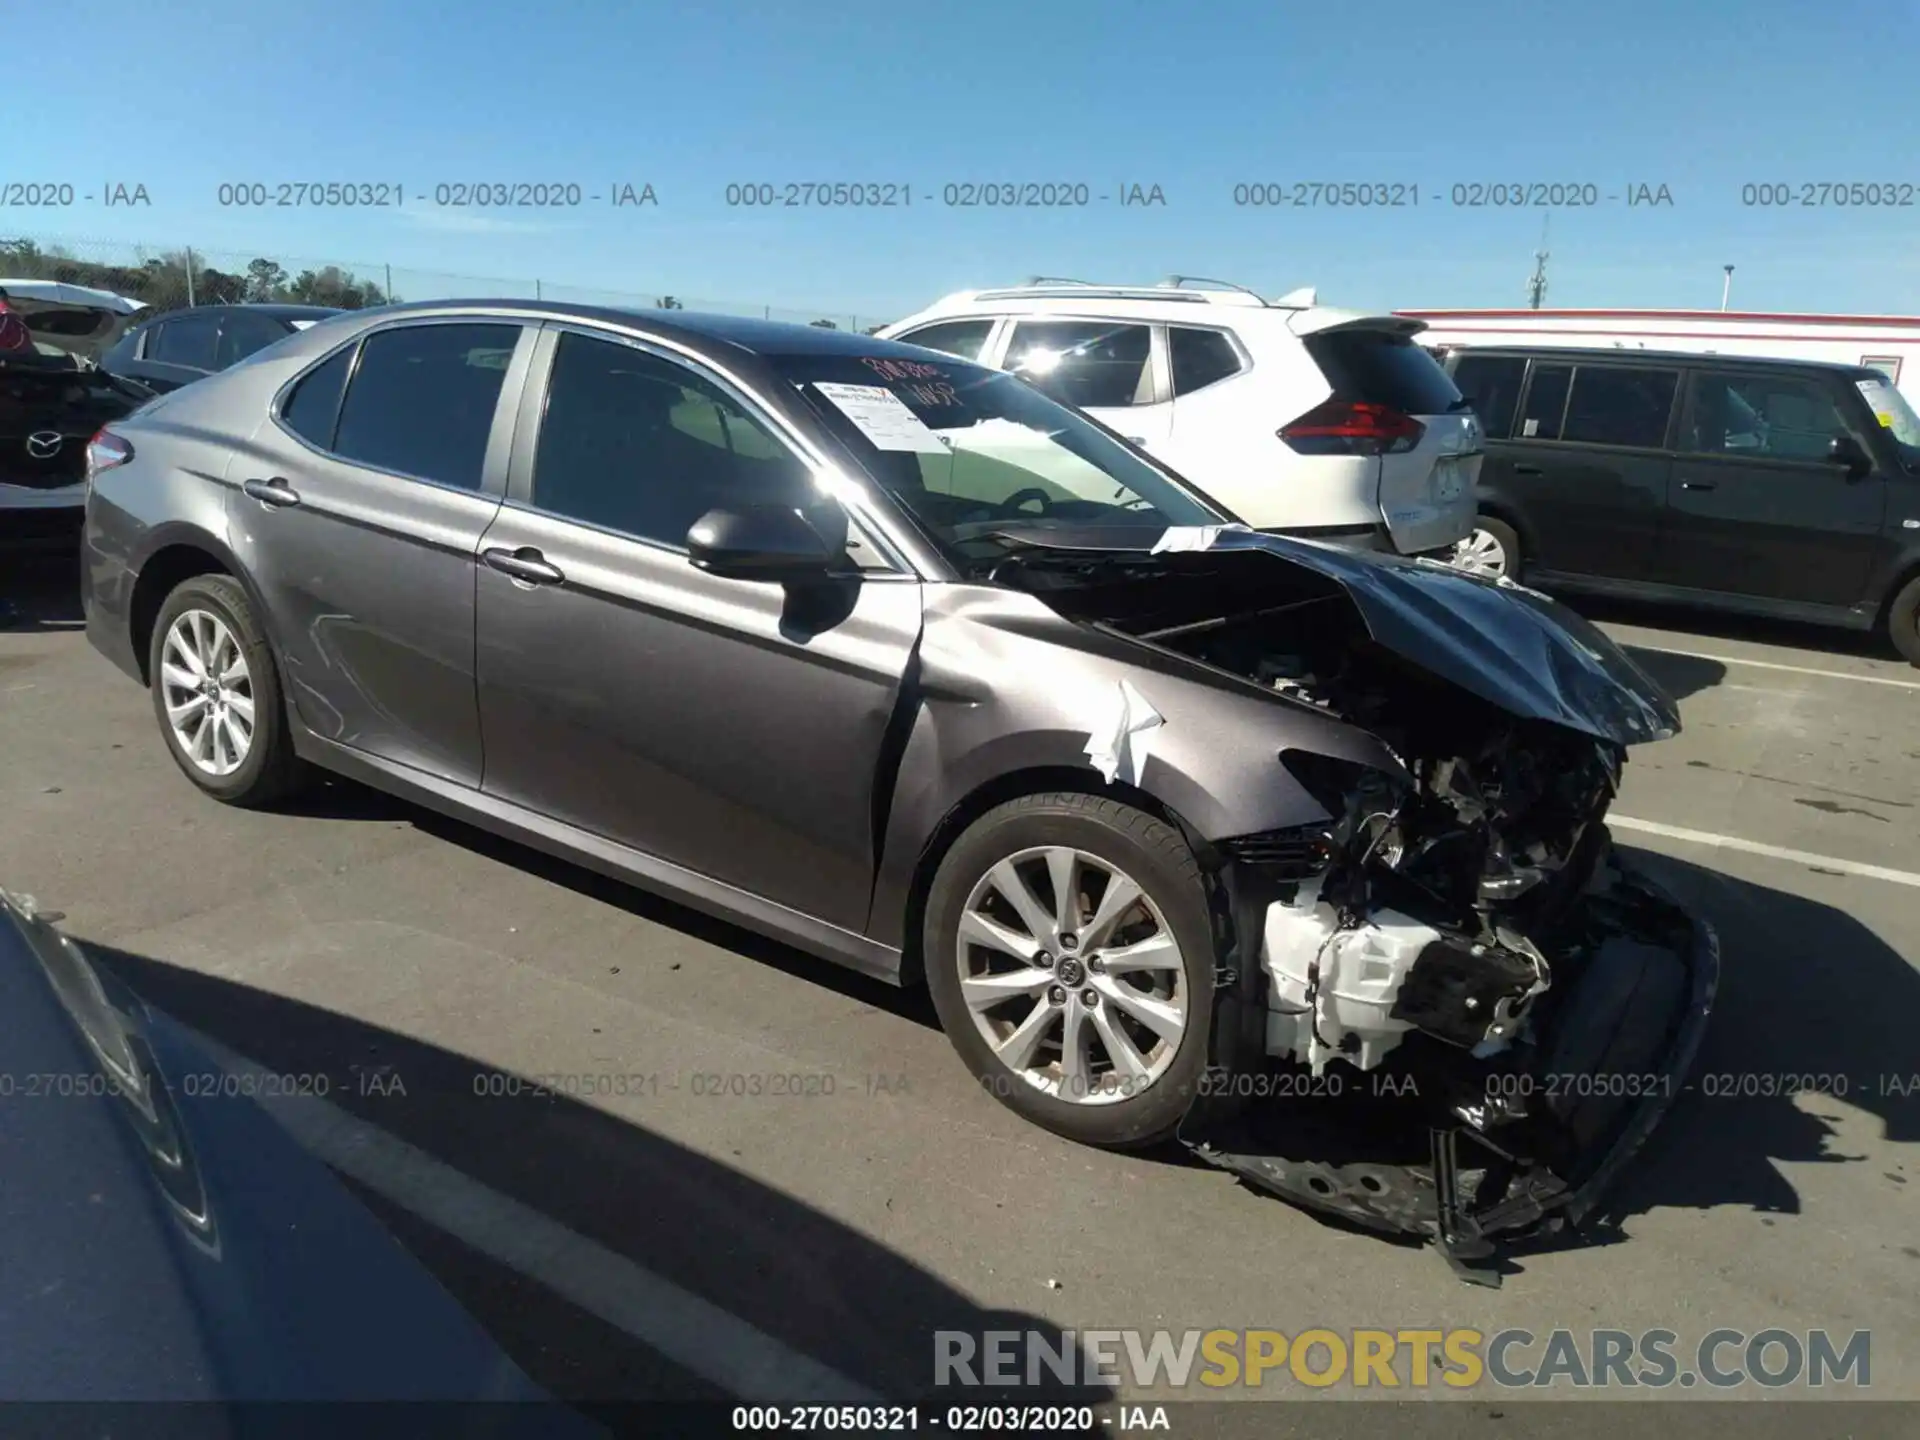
1053 280
1174 282
1086 290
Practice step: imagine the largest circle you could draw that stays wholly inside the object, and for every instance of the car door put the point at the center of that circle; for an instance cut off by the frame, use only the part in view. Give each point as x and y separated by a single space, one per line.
1758 508
357 510
179 350
730 727
1587 460
1115 370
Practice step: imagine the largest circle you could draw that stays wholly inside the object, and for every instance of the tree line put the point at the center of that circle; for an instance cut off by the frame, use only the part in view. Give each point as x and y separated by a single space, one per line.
175 278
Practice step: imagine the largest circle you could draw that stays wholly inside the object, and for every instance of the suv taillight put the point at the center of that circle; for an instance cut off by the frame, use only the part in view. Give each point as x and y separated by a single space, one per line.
1353 427
104 452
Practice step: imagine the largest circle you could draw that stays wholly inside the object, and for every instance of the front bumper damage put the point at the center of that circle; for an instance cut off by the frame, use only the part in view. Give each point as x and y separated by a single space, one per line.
1474 1153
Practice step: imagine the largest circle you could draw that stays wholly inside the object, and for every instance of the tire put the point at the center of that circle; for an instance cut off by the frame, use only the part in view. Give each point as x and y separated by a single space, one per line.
1114 1100
1499 533
268 771
1903 621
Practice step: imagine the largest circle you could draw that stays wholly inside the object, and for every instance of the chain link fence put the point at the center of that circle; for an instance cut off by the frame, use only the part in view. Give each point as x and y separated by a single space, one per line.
174 277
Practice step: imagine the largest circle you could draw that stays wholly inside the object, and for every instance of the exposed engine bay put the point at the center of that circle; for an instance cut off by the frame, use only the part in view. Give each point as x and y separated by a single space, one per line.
1452 953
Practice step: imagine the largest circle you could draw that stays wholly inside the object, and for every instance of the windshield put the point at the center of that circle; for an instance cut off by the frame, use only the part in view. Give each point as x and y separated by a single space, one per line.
1891 409
968 451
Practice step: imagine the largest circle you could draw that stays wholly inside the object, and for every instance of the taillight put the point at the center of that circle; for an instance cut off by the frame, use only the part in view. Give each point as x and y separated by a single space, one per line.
1353 427
14 334
105 451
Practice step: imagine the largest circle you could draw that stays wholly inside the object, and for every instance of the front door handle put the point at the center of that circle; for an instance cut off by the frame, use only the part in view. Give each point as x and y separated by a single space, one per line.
1526 470
1699 484
526 564
276 492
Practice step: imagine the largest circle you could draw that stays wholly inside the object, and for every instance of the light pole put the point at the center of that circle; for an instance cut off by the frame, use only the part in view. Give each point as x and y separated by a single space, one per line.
1727 288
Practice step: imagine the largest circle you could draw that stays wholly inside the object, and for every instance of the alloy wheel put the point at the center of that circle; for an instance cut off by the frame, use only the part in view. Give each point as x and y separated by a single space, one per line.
1072 975
208 692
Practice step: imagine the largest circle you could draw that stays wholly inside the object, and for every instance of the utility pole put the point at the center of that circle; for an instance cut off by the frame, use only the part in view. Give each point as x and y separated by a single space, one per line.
1537 285
189 277
1726 289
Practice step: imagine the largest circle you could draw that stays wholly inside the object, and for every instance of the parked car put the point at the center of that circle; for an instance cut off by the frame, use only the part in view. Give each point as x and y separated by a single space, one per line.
52 401
1771 487
177 348
166 1240
1298 418
823 634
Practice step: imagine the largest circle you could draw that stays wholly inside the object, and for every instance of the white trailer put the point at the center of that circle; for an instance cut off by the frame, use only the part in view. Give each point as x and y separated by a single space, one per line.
1889 343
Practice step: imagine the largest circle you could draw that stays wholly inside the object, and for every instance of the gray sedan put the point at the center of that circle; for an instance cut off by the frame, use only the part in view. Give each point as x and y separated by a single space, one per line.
890 656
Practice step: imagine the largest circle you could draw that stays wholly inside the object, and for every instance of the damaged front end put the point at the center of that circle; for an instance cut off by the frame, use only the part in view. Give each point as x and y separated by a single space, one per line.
1449 1009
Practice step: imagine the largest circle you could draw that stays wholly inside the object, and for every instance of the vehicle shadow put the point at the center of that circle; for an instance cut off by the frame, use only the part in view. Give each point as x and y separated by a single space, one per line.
1680 676
817 1286
41 591
1814 1016
1831 639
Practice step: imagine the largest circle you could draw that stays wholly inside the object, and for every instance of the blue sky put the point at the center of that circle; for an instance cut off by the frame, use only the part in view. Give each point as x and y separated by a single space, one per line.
1699 97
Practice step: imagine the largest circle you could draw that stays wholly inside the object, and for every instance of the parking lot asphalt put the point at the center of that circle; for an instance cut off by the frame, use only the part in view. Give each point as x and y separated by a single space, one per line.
691 1232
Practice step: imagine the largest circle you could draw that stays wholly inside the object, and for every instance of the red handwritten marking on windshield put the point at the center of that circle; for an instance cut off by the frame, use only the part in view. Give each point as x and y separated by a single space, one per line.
902 369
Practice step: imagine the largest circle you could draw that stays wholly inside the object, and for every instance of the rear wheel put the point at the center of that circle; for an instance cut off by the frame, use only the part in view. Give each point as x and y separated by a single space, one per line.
1490 549
216 694
1069 953
1903 621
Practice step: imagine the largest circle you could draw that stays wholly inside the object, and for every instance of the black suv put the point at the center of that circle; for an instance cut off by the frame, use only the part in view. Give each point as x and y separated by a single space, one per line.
1776 487
180 346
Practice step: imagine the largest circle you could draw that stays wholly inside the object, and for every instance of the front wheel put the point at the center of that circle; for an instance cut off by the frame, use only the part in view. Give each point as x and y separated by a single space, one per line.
1903 621
1069 950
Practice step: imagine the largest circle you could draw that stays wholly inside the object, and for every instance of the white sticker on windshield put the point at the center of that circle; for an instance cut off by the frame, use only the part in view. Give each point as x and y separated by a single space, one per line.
883 417
1532 427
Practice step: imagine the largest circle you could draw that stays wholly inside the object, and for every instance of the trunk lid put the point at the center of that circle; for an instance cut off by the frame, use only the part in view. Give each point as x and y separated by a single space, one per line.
52 400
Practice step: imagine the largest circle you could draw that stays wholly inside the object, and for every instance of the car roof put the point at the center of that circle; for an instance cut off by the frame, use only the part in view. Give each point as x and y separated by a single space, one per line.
1675 357
1298 313
272 309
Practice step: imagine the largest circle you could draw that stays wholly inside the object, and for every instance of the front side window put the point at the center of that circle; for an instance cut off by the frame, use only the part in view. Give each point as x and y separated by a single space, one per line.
1492 384
422 400
638 444
1620 405
1200 358
1089 363
956 337
188 341
1781 417
969 452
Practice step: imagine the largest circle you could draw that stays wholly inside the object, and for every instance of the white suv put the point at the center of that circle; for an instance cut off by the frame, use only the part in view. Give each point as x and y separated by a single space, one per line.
1297 418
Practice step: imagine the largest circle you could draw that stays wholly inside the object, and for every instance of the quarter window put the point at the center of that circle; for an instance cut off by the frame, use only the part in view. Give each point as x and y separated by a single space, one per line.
315 402
955 337
637 444
1200 358
1779 416
422 400
1091 364
1620 405
1492 383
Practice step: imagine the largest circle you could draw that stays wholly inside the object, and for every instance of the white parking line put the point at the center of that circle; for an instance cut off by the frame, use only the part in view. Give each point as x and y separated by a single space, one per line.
693 1332
1776 665
1772 852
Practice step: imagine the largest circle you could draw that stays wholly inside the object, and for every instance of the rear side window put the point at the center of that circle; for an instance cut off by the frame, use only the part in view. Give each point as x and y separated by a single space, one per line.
1200 358
242 333
315 402
1374 367
1620 405
1546 403
1491 384
422 400
1088 363
954 337
188 341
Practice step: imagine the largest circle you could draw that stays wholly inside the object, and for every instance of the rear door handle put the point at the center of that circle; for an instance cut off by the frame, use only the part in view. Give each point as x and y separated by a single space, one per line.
276 492
1526 470
526 564
1699 484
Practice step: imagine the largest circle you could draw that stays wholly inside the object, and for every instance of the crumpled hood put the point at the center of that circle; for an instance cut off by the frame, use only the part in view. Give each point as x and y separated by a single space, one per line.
1513 647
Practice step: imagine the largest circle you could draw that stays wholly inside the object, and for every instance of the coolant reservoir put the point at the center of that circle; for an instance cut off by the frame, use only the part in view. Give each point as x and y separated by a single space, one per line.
1361 971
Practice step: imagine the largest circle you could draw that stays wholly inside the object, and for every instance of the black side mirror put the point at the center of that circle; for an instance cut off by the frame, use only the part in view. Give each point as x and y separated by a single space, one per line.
759 542
1847 451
